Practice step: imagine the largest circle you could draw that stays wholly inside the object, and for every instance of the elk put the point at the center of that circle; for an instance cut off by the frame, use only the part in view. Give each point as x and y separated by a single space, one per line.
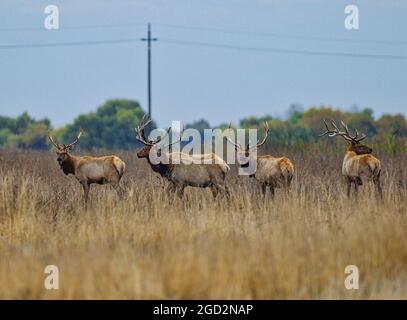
201 171
88 170
271 172
358 162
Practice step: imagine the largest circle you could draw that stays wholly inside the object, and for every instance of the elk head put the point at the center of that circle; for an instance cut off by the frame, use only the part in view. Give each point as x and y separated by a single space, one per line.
354 142
243 154
62 151
150 143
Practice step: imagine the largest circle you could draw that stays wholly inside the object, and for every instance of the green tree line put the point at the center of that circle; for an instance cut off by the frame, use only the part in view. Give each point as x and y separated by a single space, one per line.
111 126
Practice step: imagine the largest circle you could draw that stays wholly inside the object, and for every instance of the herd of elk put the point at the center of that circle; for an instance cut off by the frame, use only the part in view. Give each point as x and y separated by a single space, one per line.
271 172
358 161
209 170
88 170
182 169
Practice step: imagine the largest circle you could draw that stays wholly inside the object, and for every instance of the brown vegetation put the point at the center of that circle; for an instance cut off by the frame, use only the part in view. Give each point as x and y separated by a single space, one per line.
296 246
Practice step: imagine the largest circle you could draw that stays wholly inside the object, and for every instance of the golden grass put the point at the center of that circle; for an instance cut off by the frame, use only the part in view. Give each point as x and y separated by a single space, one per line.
296 246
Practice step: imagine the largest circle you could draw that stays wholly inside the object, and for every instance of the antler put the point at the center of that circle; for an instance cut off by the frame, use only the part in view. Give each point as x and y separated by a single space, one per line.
236 145
70 146
355 138
266 130
56 145
140 136
174 142
344 134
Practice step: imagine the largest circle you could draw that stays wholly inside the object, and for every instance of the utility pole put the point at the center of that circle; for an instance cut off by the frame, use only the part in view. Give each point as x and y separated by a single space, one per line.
149 39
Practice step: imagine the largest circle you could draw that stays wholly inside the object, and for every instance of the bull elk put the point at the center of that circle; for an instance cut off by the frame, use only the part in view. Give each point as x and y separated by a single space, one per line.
358 161
201 171
88 170
271 172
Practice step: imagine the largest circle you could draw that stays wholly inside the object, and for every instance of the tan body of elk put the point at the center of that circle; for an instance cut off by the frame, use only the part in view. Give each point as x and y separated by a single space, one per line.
183 170
88 170
272 172
358 163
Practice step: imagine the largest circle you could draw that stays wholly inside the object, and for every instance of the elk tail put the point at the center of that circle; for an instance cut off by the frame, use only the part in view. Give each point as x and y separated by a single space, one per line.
119 165
376 169
225 167
222 163
287 170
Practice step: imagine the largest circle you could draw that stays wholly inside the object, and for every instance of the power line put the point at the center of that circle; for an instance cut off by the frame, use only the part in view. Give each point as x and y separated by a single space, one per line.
78 27
287 51
67 44
218 30
282 35
209 44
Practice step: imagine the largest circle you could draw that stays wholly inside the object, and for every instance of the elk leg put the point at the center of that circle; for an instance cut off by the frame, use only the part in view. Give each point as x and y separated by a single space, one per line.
170 192
348 186
170 189
289 181
214 190
226 190
273 191
356 185
378 187
287 185
264 189
180 191
86 188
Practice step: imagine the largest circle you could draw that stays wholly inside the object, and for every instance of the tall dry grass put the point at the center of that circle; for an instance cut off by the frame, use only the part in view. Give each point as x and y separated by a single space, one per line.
296 246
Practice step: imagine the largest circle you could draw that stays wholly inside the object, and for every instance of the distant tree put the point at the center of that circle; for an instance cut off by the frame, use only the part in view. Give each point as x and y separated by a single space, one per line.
199 125
281 132
35 137
254 122
395 125
312 119
294 113
23 132
111 126
363 121
4 135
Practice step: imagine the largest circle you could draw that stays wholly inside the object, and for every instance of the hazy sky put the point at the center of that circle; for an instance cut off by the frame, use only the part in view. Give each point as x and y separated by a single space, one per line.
191 82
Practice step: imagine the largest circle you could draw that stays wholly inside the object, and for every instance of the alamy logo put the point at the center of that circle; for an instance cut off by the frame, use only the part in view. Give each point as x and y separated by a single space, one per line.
352 18
241 147
352 280
51 281
51 21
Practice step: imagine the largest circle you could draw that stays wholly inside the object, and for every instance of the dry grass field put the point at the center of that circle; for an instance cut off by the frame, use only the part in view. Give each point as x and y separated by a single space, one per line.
251 247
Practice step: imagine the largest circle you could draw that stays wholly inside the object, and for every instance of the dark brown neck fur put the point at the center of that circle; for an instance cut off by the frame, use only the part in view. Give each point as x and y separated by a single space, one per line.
162 169
359 149
68 166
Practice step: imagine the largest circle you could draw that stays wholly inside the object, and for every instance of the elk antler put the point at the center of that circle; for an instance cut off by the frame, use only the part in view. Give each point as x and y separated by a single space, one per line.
174 142
335 132
71 145
236 145
140 135
56 145
355 138
266 130
344 134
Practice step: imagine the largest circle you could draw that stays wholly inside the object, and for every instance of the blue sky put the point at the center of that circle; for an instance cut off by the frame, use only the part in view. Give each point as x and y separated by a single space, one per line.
193 82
